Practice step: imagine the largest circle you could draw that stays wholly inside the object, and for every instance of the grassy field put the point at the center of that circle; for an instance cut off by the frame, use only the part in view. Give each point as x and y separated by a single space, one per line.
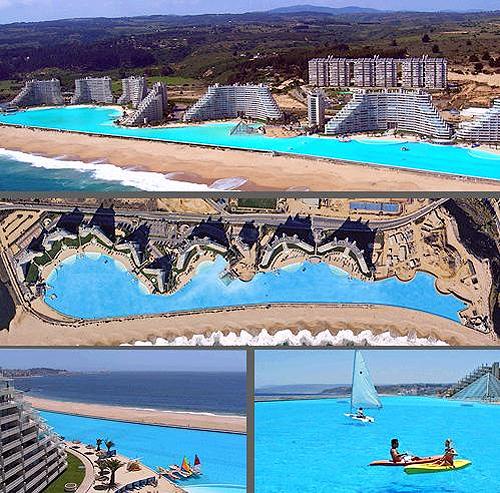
73 474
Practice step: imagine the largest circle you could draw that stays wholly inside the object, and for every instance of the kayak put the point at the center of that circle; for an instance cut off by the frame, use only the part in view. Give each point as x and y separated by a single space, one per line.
430 468
366 419
422 460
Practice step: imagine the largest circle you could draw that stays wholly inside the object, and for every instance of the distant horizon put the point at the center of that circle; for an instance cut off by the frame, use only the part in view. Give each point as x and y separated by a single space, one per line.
325 368
19 11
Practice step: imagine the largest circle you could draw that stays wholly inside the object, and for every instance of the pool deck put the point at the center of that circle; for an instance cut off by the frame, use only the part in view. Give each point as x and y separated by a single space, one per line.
87 454
174 419
208 164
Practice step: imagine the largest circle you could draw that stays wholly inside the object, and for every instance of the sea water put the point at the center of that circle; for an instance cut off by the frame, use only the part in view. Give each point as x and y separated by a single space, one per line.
419 156
99 287
311 447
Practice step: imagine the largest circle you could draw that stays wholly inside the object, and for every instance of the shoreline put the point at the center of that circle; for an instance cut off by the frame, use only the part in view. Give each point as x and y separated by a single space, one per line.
220 423
28 328
261 170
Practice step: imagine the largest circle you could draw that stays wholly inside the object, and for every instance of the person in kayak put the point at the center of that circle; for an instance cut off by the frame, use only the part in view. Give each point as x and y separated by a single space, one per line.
449 454
396 456
360 413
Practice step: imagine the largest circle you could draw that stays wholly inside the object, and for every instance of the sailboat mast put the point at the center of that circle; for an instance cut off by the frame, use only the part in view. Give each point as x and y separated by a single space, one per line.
353 370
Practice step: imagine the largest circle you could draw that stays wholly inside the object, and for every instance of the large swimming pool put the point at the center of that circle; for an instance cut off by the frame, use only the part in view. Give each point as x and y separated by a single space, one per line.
96 286
311 447
223 455
421 156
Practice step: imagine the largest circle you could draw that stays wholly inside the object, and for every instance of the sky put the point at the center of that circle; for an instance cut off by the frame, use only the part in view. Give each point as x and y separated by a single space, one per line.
288 367
126 359
36 10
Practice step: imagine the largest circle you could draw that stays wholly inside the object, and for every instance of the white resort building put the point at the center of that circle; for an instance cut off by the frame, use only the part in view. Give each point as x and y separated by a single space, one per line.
386 109
92 90
31 456
39 93
134 90
316 106
484 128
151 109
220 102
423 72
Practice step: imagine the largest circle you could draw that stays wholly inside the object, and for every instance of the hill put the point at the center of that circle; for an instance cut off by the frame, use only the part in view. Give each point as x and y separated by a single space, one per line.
294 9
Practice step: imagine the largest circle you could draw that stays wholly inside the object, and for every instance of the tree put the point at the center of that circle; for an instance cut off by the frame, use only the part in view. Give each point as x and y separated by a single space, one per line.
478 67
98 443
435 49
113 465
109 444
425 38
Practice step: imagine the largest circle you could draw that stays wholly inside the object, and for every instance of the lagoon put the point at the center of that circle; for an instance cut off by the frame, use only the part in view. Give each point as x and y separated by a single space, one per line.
92 286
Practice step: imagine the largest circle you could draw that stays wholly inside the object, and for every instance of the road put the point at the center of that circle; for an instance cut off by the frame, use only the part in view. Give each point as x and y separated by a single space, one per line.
320 222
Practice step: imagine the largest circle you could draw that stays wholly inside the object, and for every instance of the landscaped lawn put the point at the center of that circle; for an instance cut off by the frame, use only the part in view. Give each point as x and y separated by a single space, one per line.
73 474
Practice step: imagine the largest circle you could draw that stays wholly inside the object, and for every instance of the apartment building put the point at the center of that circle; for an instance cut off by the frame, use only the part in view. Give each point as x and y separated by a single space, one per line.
39 93
316 106
484 128
385 109
423 72
220 102
93 90
151 109
31 456
134 90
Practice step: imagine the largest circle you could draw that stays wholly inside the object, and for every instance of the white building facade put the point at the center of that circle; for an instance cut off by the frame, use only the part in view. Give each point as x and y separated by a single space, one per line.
316 106
220 102
31 456
386 109
39 93
134 90
151 109
93 90
484 128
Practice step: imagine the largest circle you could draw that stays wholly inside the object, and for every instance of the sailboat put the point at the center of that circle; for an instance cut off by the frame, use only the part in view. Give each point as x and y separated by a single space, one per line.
363 392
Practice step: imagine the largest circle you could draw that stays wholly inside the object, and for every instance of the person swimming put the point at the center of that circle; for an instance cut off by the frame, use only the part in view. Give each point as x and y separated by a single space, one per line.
449 454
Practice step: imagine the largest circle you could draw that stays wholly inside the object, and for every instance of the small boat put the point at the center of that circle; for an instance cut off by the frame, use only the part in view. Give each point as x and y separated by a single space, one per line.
363 392
420 460
434 467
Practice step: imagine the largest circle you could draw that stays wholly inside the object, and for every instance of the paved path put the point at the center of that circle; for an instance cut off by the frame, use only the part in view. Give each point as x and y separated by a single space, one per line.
88 480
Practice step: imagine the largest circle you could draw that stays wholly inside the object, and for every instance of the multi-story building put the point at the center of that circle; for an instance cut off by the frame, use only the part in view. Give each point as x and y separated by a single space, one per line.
151 109
316 106
423 72
39 93
31 456
484 128
134 90
92 90
385 109
250 101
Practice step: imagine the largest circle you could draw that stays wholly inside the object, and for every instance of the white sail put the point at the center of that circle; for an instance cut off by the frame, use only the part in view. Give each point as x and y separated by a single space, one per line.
363 393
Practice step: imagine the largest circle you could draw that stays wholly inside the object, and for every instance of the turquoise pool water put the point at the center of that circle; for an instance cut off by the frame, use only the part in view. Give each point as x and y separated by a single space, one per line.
223 455
421 156
96 286
310 447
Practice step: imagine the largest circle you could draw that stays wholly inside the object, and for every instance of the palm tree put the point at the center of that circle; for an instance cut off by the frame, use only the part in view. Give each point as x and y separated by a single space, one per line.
109 444
98 443
113 465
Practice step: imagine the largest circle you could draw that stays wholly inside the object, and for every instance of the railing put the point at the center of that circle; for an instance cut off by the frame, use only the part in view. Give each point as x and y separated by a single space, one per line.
137 484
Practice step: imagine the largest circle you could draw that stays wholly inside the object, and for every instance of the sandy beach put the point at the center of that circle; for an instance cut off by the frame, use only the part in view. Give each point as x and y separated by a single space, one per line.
209 422
29 330
206 165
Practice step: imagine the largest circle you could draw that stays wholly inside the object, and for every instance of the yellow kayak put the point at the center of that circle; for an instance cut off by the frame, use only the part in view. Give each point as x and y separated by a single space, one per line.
433 467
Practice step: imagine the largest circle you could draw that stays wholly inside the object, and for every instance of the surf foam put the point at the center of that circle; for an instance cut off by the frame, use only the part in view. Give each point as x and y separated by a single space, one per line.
99 170
289 338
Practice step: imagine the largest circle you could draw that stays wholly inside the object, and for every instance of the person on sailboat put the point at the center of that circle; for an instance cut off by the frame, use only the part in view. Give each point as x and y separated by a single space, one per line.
360 413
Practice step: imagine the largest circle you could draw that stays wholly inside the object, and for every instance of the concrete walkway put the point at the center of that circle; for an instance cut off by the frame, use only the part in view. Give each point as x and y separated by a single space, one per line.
88 480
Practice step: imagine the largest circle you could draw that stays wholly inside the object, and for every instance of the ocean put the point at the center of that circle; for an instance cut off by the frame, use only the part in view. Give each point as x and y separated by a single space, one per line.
208 392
